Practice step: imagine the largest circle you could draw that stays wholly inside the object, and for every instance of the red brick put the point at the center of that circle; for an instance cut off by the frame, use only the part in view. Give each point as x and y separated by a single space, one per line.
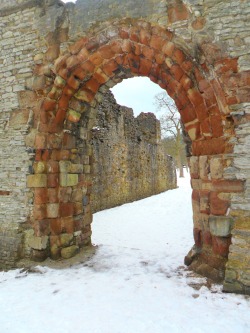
218 206
60 116
178 56
53 180
88 67
68 225
63 73
206 128
93 85
199 23
148 52
228 186
212 146
187 113
168 48
207 238
214 110
79 73
78 208
126 46
134 34
92 45
77 46
40 196
106 52
56 226
187 66
73 82
134 63
144 37
196 195
227 65
186 82
195 97
156 42
52 195
177 72
96 59
116 46
69 141
110 67
40 141
49 105
145 67
64 154
40 212
221 245
72 62
159 58
201 111
124 32
216 125
66 209
41 228
136 49
197 237
178 12
54 141
100 76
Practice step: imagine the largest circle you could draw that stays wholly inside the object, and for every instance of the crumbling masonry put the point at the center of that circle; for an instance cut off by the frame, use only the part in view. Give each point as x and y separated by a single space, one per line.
57 62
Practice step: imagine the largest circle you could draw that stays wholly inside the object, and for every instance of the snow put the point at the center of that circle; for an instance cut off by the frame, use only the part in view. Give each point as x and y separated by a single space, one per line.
135 283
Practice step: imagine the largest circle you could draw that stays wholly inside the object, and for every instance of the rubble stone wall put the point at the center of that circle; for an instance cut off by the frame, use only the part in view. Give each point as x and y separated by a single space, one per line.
129 160
57 62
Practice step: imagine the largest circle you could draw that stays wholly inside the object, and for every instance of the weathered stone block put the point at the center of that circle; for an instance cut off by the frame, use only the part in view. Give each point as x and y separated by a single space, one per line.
66 239
68 179
37 180
52 210
64 166
216 168
69 252
38 243
220 225
39 167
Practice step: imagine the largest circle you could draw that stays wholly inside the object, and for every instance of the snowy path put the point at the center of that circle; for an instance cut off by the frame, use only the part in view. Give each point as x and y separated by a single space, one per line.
136 283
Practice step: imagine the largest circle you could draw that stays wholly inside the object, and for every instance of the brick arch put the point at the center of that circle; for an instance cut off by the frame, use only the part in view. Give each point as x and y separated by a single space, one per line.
91 65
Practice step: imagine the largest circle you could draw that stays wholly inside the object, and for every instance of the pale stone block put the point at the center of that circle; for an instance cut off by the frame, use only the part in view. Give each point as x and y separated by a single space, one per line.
37 180
52 210
69 252
76 168
68 179
216 168
220 225
39 167
203 167
64 166
38 243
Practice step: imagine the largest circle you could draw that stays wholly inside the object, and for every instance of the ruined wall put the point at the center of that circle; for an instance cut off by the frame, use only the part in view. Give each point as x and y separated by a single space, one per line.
129 161
56 64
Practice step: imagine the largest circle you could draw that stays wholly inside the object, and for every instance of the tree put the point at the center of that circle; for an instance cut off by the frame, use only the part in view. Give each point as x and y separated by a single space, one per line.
171 129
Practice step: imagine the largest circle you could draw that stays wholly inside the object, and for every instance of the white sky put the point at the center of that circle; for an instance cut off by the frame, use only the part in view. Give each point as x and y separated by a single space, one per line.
137 93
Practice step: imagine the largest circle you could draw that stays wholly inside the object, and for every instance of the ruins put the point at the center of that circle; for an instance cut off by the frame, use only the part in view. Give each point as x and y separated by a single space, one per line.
57 62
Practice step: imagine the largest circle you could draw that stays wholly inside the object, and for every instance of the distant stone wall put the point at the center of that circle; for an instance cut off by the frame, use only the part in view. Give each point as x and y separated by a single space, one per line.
129 161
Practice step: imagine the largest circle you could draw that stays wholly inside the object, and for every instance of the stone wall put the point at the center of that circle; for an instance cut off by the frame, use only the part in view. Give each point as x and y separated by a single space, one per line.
57 62
129 161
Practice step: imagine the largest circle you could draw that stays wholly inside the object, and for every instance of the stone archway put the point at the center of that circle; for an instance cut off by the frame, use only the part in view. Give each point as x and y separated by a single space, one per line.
62 164
67 60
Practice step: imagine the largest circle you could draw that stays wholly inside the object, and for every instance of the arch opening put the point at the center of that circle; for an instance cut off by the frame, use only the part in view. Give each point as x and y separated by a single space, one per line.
92 66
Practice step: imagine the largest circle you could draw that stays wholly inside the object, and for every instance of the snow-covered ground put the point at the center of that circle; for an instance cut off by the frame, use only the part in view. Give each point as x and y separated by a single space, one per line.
136 282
